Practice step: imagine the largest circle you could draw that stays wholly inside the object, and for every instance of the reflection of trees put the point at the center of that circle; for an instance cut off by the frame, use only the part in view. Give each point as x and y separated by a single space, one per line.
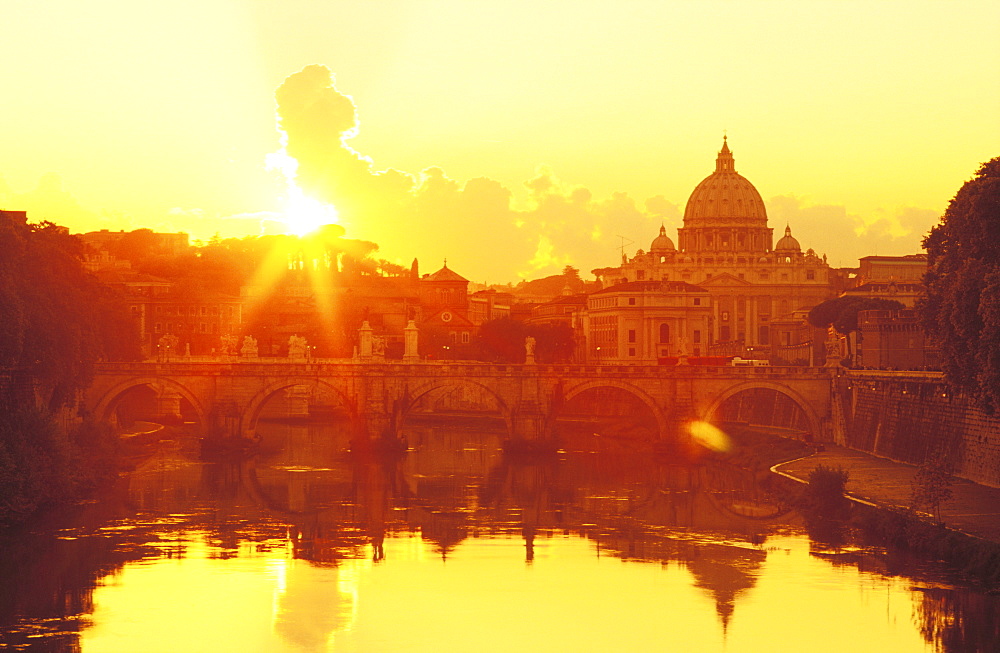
958 620
312 497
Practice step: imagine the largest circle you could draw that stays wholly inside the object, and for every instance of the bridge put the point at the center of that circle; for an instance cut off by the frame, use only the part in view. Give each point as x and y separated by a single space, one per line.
227 397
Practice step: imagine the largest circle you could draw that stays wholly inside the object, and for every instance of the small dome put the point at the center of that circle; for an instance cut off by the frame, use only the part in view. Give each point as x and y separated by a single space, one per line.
662 243
787 243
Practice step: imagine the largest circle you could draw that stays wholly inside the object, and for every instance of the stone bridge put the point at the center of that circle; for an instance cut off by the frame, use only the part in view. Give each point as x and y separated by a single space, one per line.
227 397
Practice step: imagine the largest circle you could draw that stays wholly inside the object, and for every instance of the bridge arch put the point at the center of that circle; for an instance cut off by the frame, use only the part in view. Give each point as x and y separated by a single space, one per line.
252 411
104 405
815 422
429 387
579 388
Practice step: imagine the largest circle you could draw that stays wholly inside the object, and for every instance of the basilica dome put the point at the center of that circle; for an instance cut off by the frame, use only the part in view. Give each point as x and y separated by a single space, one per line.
725 198
787 243
662 243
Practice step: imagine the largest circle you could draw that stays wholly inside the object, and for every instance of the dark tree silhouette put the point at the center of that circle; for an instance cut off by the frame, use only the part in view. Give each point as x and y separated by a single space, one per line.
961 309
58 319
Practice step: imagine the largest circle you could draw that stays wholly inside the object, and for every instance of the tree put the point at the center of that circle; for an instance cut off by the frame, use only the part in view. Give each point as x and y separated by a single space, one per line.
502 340
932 485
961 309
58 319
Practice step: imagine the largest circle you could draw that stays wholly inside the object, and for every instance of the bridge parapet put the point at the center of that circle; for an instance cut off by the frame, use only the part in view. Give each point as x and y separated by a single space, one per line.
671 393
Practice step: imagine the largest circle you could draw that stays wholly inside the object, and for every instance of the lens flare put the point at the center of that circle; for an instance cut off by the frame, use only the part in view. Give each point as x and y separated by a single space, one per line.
709 436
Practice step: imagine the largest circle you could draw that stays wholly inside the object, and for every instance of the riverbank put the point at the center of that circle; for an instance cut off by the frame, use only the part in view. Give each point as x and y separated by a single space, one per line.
973 509
967 537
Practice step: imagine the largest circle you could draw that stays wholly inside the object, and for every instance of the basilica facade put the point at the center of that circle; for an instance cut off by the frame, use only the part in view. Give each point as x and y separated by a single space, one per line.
727 249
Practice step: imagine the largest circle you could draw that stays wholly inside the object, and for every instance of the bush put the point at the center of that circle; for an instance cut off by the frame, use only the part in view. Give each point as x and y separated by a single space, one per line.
824 495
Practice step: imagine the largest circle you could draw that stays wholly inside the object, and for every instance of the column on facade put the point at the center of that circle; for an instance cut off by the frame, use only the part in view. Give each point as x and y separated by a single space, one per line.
713 333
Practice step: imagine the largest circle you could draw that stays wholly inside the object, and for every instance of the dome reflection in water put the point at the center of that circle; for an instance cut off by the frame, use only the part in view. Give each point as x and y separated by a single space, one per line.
609 543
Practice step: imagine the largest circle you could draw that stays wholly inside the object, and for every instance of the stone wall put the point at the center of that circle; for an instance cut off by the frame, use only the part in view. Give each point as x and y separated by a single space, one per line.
912 417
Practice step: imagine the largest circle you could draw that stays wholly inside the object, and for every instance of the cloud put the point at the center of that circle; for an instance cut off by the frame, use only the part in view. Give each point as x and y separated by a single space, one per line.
429 215
50 201
845 237
488 236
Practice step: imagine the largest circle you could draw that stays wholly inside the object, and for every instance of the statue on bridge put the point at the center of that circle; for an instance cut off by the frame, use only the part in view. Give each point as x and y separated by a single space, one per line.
833 354
249 349
297 347
227 346
529 351
165 346
378 346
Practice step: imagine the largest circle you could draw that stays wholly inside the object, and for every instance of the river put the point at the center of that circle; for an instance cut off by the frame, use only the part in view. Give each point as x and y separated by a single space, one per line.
454 546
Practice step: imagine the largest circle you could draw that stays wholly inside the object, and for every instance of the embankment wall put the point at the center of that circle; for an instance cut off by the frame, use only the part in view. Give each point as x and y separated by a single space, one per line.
915 417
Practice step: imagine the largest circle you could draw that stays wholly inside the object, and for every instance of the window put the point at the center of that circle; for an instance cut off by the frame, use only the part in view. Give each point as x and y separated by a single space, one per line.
203 327
697 301
724 334
725 316
763 335
640 275
465 337
631 335
784 276
158 327
664 332
810 275
631 301
765 275
696 336
631 351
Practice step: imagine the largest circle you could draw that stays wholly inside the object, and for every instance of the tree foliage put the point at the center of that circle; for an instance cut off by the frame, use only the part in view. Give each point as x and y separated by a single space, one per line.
502 340
961 309
842 312
58 319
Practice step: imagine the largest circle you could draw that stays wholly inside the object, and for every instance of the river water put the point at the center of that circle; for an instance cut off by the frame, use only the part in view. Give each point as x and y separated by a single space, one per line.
454 546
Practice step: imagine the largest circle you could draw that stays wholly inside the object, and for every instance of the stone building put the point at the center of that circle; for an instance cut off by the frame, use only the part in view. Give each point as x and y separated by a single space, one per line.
640 322
725 247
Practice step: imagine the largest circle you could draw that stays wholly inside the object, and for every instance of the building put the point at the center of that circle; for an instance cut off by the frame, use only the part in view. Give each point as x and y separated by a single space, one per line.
895 340
890 277
642 322
725 248
486 305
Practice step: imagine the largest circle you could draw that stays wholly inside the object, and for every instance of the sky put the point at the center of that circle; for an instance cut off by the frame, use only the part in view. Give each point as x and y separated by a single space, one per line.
510 138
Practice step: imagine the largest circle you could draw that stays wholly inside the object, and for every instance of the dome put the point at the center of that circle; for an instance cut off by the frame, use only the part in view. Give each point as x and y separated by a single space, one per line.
725 197
787 243
662 243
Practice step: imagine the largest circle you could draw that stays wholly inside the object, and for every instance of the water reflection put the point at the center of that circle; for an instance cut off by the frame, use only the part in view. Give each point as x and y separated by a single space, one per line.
332 546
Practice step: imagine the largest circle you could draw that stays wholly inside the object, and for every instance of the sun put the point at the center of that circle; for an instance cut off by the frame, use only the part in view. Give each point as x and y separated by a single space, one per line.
304 214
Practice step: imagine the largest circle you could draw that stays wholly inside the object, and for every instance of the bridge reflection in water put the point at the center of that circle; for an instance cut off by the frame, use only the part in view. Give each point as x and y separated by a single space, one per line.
455 541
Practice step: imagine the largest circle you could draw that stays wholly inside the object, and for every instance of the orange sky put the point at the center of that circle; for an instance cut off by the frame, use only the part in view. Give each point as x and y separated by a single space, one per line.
518 136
